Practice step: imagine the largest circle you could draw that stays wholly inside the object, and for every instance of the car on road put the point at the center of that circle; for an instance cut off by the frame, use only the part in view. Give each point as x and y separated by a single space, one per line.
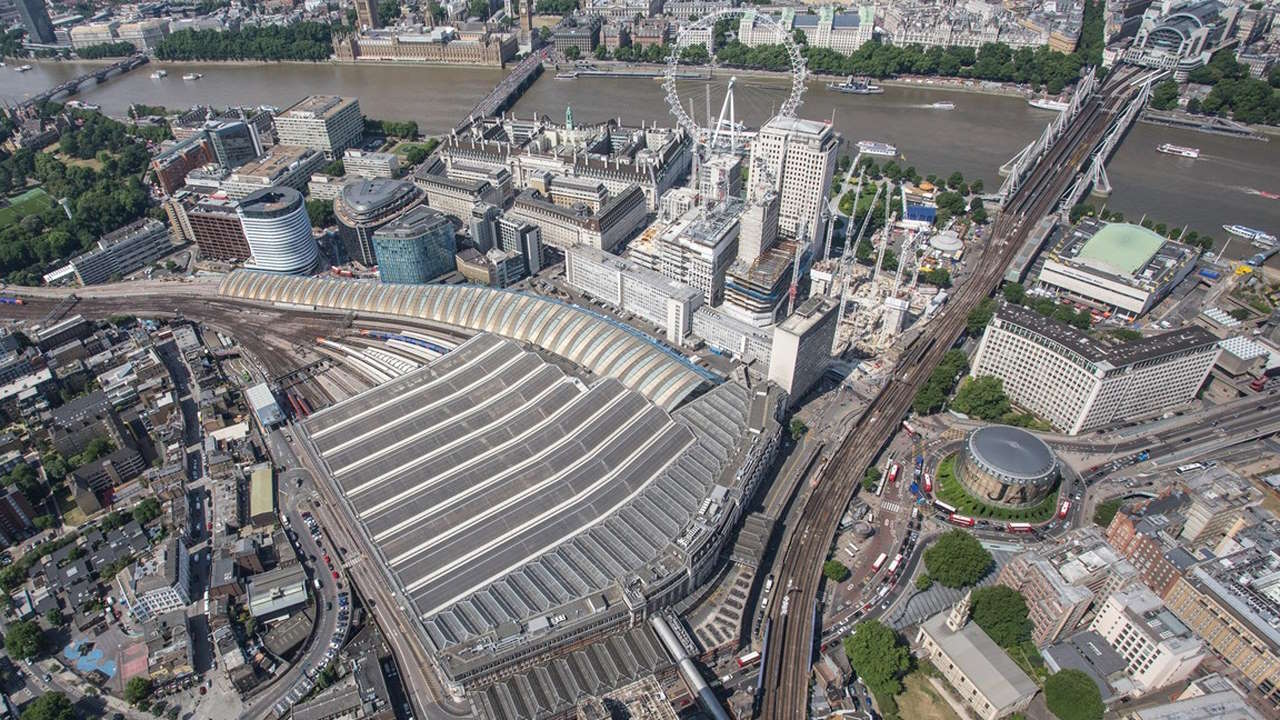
335 574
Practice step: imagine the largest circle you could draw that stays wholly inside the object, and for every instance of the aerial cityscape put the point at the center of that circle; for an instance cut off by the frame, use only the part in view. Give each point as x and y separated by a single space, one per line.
648 359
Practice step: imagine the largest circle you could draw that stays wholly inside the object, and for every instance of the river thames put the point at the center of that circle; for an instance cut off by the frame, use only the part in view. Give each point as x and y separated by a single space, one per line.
981 133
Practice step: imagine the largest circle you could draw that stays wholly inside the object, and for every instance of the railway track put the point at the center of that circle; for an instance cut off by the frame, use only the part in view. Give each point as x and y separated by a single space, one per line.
794 622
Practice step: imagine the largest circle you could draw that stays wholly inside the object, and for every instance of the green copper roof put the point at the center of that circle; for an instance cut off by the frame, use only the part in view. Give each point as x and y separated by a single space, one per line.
1122 247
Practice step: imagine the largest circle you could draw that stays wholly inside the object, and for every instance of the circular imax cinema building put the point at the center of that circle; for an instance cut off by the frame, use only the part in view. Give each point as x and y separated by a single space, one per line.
1007 467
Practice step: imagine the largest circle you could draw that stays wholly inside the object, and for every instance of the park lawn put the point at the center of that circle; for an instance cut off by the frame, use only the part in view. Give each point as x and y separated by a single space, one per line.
949 490
921 700
32 201
92 163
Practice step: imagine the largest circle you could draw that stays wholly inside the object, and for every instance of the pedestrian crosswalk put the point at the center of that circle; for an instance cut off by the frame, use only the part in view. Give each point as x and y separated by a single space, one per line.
890 507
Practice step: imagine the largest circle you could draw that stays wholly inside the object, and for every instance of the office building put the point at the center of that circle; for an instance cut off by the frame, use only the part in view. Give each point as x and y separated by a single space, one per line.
759 292
325 187
802 346
987 680
1006 467
523 238
325 123
158 584
123 251
455 197
483 226
416 247
1115 268
696 249
144 35
1078 383
363 206
278 231
1181 36
1122 18
234 142
1158 649
1062 582
370 165
217 231
563 227
720 177
631 288
35 18
1146 534
172 164
282 166
277 591
727 334
800 156
1218 501
1231 604
1212 697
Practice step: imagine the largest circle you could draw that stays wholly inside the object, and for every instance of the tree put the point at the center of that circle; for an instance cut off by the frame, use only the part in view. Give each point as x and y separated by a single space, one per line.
54 617
321 213
835 571
924 582
1071 695
1002 613
573 52
879 657
24 640
871 476
413 156
1014 293
49 706
1165 95
798 429
388 11
977 210
146 511
980 315
137 689
957 559
982 396
478 8
335 168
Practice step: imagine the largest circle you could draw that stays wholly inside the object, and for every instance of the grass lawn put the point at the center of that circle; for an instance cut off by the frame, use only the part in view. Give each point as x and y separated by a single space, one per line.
949 490
403 147
921 700
71 513
32 201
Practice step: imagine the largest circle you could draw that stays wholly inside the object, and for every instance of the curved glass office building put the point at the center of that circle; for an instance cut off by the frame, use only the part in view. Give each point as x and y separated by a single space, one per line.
363 206
278 231
416 247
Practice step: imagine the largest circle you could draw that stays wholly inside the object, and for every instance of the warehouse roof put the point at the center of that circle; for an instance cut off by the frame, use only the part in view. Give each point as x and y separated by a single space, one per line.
604 347
1122 247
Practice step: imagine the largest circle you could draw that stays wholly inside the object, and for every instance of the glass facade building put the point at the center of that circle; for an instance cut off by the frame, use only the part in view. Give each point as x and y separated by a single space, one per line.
416 247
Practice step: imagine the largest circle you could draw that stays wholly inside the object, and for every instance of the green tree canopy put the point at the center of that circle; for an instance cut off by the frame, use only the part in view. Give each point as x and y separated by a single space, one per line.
957 559
137 689
1071 695
1001 612
24 640
982 397
879 657
49 706
1164 96
980 315
835 571
1014 293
